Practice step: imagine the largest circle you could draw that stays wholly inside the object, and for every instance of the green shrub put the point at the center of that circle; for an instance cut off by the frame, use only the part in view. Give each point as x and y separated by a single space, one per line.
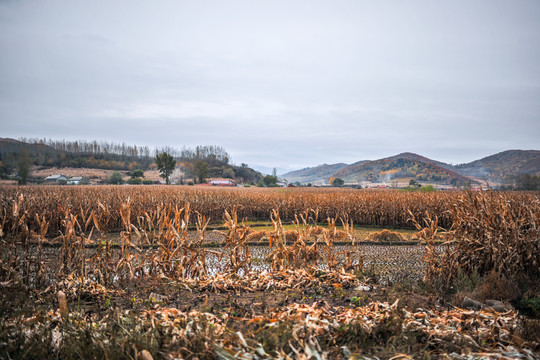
137 173
428 188
116 178
134 181
228 173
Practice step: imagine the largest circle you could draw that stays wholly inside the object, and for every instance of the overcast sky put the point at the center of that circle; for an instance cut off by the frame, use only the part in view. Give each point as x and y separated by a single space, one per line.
284 84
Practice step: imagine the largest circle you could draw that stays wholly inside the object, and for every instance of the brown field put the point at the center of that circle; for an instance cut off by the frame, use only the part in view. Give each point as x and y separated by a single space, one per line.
169 272
371 208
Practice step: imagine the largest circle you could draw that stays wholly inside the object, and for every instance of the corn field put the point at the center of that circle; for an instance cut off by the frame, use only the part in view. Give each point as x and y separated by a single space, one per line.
62 246
491 232
373 208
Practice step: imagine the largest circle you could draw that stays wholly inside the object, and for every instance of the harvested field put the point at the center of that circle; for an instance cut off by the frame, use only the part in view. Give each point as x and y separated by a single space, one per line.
138 272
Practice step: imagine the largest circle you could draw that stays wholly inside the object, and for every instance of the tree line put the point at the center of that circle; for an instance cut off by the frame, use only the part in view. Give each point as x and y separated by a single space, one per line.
100 154
211 154
198 162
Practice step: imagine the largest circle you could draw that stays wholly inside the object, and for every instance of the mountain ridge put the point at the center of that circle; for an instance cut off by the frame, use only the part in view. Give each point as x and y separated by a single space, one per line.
498 167
503 164
313 174
402 166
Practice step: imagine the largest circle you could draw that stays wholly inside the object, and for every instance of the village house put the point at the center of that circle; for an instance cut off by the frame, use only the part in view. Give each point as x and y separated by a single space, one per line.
221 182
77 180
54 179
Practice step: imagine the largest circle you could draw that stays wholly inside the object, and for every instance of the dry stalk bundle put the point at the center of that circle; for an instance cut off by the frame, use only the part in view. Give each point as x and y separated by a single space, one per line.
295 256
236 247
498 233
258 236
300 255
181 256
491 232
385 236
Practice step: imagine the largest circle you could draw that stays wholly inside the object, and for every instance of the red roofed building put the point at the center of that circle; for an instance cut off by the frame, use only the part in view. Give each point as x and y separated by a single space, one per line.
222 182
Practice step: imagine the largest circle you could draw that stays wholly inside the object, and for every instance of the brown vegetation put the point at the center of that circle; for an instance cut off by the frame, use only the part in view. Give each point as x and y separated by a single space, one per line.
495 234
385 236
373 208
258 236
156 290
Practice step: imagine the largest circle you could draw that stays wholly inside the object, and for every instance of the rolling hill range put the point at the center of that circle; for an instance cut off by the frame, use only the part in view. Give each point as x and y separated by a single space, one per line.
313 174
503 165
401 166
497 168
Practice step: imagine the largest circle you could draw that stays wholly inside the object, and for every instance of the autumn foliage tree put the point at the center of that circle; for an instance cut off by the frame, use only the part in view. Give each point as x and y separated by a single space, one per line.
337 182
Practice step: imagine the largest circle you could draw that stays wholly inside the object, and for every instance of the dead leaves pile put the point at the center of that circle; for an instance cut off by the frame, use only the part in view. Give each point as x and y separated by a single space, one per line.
320 331
276 280
76 287
305 331
476 331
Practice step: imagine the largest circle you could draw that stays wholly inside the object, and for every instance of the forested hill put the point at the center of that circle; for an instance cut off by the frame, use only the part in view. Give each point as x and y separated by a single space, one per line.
77 154
402 166
503 167
113 156
313 174
506 164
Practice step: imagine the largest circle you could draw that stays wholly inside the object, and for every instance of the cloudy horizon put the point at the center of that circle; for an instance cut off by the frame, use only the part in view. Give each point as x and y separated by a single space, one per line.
285 84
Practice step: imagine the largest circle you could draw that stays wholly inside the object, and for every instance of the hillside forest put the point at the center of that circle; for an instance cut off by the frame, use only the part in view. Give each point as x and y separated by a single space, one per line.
16 155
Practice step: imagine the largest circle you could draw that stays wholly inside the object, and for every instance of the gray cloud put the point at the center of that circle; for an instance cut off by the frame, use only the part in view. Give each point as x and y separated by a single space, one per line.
279 83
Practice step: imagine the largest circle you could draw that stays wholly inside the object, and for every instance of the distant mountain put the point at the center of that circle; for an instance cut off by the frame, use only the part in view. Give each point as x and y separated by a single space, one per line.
313 174
268 170
12 146
402 166
504 165
499 167
416 157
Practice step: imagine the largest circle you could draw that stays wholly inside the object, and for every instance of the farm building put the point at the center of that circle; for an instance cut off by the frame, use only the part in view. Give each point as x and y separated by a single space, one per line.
53 179
77 180
222 182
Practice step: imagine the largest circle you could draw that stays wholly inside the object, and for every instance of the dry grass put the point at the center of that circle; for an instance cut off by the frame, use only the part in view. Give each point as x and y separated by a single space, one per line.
385 236
491 233
495 234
